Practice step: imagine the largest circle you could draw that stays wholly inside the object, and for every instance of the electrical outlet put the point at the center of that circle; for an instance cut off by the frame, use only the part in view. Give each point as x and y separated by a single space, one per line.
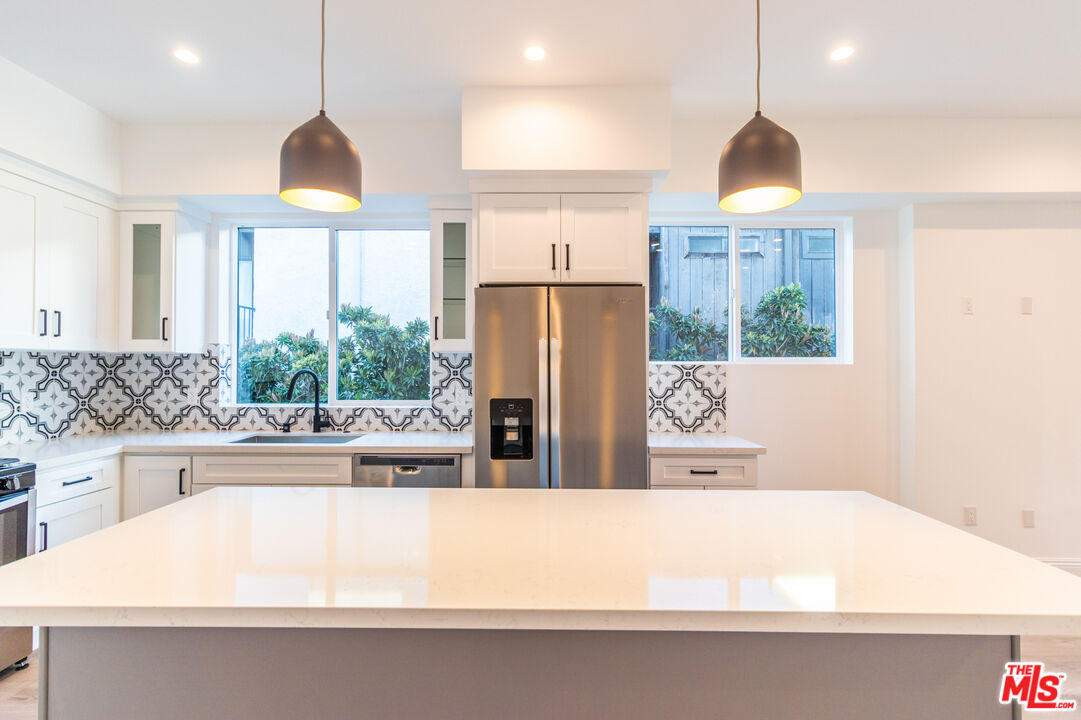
1026 306
968 515
968 307
1028 518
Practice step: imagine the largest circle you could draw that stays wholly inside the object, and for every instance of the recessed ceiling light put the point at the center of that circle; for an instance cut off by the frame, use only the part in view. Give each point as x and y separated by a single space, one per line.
842 52
185 56
534 53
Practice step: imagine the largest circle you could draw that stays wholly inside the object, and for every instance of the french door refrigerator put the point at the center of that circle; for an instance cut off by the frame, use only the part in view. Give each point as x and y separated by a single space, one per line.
560 377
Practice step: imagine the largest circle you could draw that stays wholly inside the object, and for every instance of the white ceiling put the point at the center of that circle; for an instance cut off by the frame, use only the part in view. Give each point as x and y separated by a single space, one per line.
260 57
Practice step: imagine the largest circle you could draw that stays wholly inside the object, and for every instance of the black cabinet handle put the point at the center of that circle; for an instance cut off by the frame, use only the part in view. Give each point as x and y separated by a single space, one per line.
44 322
553 256
44 535
436 327
163 336
568 255
88 478
704 472
182 480
57 333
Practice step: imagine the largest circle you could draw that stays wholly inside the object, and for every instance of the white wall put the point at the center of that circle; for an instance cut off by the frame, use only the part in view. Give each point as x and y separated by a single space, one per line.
399 155
604 129
899 155
997 394
42 124
833 427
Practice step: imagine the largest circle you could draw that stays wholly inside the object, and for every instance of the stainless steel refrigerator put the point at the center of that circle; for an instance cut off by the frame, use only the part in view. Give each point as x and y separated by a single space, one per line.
560 382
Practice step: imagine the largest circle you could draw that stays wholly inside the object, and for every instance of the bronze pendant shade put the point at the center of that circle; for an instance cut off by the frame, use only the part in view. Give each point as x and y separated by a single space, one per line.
320 167
760 168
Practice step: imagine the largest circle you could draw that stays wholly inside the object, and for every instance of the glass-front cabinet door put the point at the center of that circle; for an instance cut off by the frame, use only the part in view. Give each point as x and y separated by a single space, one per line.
451 282
146 247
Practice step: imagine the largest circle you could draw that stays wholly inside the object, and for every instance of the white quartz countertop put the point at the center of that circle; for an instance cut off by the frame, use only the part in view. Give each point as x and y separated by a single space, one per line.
50 453
543 559
702 444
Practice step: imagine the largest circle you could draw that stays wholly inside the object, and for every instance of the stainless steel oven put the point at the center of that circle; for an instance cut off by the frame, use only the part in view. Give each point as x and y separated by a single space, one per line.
18 529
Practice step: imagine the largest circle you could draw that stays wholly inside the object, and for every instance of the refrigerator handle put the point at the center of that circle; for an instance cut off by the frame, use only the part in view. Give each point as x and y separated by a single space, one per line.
553 423
542 410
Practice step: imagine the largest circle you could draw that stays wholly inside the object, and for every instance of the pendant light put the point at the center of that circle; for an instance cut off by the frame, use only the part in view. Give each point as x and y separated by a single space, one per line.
760 168
320 166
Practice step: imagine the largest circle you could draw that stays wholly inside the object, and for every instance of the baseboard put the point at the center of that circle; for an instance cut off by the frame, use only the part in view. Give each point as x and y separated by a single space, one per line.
1070 565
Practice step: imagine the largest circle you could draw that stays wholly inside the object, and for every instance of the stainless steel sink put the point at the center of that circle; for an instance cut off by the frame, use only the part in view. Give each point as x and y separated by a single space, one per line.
297 439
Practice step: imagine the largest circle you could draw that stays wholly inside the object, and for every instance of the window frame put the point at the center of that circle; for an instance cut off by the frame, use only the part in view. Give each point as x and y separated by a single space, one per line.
410 221
843 282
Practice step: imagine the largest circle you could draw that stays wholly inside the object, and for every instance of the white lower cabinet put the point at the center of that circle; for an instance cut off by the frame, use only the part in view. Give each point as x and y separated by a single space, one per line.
76 500
70 519
312 470
703 472
153 481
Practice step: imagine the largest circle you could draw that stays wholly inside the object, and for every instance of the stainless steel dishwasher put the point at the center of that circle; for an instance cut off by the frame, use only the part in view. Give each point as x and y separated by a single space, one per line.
424 471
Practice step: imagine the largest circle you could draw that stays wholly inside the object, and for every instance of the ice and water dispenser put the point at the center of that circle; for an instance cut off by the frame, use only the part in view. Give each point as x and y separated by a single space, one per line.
511 428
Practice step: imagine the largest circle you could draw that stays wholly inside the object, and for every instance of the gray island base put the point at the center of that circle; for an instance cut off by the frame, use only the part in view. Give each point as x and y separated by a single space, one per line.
106 673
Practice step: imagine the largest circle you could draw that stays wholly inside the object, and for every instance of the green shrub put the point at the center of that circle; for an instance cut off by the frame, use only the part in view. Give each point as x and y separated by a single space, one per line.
377 360
777 328
695 337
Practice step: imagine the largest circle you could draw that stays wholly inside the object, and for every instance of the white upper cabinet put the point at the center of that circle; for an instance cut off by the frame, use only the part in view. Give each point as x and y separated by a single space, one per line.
569 238
518 238
605 238
59 254
452 301
163 281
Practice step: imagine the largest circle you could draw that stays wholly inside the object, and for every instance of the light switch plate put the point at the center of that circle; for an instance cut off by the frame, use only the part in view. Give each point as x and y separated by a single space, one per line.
968 515
1028 518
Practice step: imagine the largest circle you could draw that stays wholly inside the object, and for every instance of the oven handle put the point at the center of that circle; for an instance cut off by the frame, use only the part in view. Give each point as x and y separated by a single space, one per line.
19 499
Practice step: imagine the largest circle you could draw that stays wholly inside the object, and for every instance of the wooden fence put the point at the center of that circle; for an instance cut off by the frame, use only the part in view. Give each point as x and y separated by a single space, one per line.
688 267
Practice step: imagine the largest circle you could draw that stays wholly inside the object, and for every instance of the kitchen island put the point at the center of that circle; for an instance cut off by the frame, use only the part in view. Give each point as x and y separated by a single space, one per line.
395 603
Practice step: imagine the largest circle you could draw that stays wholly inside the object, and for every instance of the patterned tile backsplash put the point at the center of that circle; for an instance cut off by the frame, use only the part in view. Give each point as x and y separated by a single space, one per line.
60 394
685 397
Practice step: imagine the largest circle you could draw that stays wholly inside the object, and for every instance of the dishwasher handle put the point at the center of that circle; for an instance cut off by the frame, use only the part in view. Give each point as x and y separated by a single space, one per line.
407 469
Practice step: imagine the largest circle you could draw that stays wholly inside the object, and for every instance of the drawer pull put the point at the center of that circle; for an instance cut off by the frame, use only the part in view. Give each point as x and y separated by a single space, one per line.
704 472
67 483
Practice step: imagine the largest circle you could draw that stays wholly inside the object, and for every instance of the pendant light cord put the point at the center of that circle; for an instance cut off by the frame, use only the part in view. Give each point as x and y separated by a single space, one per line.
758 50
323 61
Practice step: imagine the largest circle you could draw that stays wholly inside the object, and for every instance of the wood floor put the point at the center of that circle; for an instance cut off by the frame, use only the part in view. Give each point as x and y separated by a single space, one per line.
19 689
19 692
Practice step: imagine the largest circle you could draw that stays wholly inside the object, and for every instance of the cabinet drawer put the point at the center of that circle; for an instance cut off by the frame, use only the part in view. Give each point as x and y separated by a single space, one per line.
272 470
68 520
707 472
74 480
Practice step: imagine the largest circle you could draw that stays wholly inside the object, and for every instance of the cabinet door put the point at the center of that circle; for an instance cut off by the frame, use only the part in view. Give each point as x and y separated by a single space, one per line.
146 269
451 285
518 238
76 248
24 317
604 238
153 482
67 520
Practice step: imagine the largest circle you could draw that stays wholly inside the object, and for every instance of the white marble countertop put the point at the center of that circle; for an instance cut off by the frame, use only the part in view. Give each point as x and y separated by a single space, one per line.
569 559
702 444
50 453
